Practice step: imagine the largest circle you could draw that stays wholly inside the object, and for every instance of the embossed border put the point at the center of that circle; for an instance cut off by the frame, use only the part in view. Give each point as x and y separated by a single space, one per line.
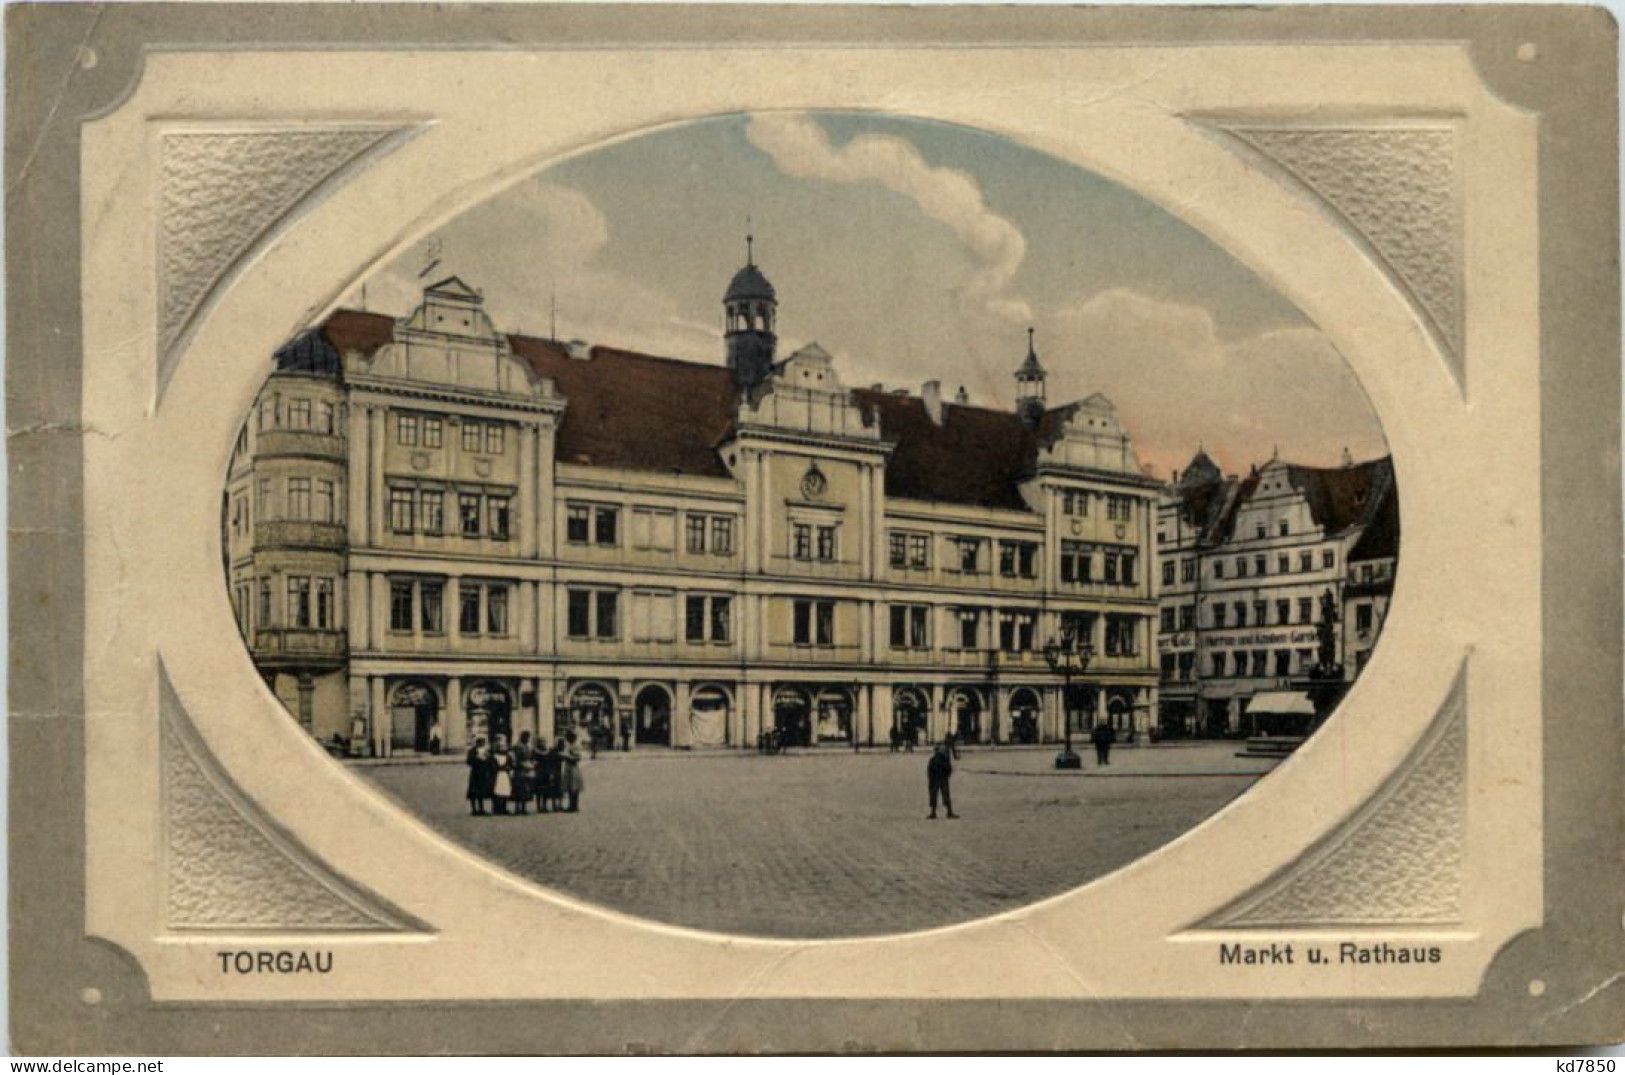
1580 665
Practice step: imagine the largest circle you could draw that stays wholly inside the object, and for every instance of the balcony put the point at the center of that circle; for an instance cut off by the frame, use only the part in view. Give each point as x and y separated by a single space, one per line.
298 534
302 443
303 646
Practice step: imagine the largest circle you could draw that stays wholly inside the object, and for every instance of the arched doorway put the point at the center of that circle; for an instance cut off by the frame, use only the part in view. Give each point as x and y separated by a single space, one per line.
414 717
708 709
653 719
835 708
911 714
792 716
1025 710
489 709
592 710
1120 711
965 709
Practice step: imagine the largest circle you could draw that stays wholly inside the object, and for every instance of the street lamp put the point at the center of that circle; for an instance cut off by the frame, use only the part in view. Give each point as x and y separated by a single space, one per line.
1070 657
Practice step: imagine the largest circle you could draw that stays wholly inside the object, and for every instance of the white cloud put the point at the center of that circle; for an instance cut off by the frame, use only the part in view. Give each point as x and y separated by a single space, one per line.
1177 383
799 147
538 242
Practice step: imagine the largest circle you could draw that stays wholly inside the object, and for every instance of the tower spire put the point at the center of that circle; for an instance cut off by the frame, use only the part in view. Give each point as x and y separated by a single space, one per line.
1030 385
750 243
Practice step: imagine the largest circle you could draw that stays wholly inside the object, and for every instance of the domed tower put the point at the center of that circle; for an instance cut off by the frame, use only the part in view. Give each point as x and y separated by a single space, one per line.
751 309
1030 387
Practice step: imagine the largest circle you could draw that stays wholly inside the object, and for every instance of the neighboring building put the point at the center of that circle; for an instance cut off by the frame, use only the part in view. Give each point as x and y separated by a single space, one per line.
1260 578
506 533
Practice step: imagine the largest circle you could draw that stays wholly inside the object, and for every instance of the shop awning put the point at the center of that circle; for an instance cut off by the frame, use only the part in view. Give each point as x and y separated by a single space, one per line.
1282 703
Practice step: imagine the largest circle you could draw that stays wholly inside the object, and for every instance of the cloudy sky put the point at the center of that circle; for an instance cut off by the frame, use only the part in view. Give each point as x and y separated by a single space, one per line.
911 251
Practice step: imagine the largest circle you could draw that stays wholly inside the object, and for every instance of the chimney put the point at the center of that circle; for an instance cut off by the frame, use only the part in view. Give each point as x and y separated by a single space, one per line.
931 395
1348 460
580 350
962 397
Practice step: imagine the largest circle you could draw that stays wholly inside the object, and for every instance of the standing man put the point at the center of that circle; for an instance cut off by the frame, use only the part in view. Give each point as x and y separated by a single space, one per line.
1104 736
938 771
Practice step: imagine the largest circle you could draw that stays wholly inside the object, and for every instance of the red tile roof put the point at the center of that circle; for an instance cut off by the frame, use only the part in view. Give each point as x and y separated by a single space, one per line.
977 456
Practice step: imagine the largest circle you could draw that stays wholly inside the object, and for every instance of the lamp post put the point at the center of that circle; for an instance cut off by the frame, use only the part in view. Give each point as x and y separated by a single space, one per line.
1070 657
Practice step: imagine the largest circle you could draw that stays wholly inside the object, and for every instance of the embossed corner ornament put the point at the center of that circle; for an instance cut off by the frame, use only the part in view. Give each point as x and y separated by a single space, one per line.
1398 861
228 868
1395 185
224 194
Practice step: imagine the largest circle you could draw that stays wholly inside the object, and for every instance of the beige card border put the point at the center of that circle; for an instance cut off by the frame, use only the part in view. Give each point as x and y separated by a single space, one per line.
1574 955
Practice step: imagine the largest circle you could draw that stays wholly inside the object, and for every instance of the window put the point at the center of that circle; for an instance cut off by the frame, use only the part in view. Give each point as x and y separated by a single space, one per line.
908 626
432 610
826 543
1283 662
1306 561
1016 631
1167 572
1120 634
468 514
694 528
325 617
969 553
1259 531
814 623
1283 563
268 413
1120 508
1218 615
1283 529
265 603
298 498
1306 660
1283 612
1018 559
1261 613
1079 626
432 431
605 526
473 437
1328 558
1305 609
970 628
1218 569
496 507
468 608
579 614
493 439
1108 564
1259 567
1261 663
1167 666
708 618
592 613
324 501
1362 619
897 549
299 414
577 519
496 609
1187 571
919 551
1167 620
1241 567
801 542
1126 560
1241 614
1187 617
400 606
406 429
1077 562
1187 666
432 511
1218 664
401 510
298 601
265 499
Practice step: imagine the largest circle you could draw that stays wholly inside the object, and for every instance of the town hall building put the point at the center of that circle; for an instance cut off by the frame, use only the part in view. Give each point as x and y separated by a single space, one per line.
436 531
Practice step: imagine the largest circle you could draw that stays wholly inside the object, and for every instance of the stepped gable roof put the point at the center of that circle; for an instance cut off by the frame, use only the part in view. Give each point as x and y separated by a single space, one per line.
976 456
636 411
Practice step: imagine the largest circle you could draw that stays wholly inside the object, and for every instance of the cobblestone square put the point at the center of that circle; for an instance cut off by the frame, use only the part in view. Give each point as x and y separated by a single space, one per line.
823 843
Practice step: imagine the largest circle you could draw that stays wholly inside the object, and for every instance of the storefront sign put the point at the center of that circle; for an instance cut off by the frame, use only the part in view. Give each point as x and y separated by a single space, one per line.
1283 636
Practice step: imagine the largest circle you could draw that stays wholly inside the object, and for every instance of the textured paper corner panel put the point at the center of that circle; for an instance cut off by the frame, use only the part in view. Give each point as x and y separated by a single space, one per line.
1415 182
